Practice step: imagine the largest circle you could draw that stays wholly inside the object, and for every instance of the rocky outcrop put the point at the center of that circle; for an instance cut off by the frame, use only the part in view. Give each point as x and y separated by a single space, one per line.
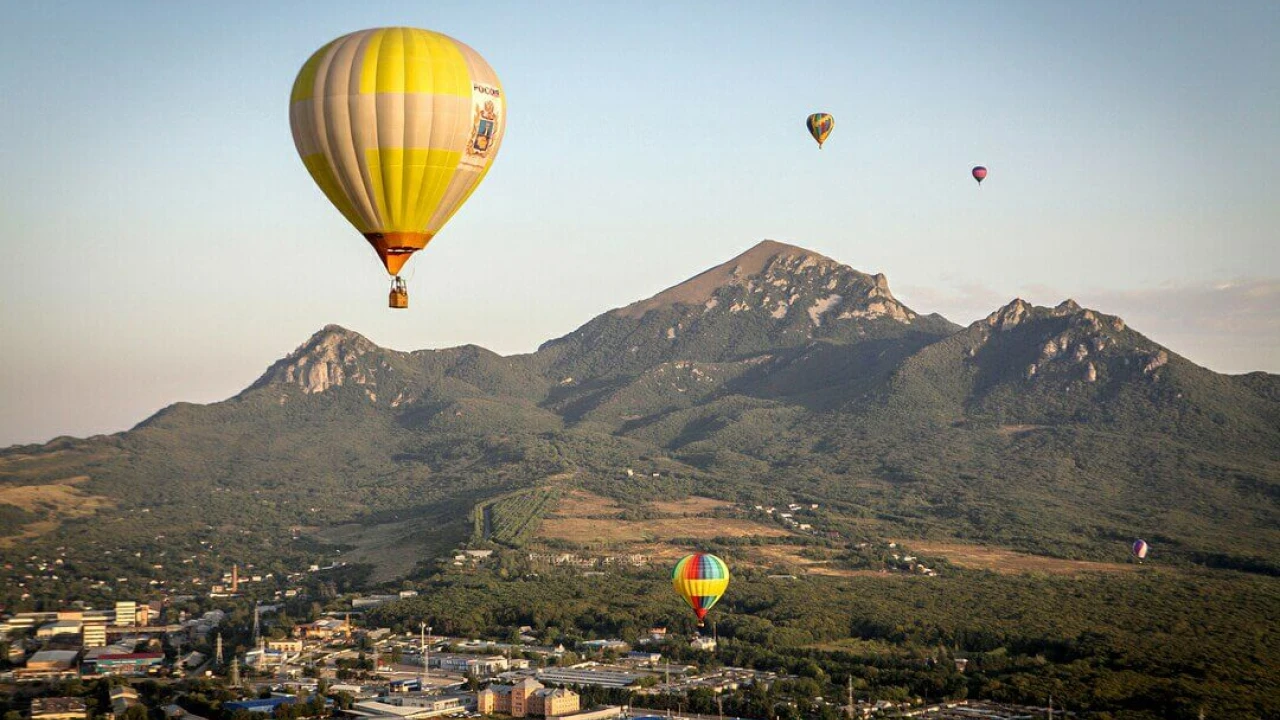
1067 342
1155 362
331 358
1009 316
776 278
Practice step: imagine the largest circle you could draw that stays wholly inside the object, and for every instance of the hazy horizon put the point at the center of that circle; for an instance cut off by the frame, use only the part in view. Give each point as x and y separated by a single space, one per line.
1133 153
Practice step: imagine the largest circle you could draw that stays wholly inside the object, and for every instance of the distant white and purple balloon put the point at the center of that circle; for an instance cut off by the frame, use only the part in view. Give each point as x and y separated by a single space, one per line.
1140 548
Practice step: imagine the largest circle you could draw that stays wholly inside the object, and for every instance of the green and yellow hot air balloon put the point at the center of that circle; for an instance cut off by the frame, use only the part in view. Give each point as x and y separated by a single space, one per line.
700 579
397 126
820 126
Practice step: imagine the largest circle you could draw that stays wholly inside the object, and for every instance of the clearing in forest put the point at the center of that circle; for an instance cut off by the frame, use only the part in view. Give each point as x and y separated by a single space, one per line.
586 518
692 505
1008 562
583 504
56 501
790 557
590 530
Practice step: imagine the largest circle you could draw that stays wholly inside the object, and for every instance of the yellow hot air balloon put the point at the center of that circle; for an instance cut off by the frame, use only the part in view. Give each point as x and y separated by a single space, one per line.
397 126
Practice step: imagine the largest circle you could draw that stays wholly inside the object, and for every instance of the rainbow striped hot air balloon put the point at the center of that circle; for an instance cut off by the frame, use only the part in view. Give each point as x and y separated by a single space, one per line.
700 579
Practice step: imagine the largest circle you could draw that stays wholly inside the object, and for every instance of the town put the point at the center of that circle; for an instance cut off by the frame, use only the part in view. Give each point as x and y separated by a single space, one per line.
224 656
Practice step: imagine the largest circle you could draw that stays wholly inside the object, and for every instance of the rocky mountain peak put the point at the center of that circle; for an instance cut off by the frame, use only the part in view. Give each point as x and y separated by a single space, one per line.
1067 307
1067 340
1009 316
773 296
780 279
329 358
701 288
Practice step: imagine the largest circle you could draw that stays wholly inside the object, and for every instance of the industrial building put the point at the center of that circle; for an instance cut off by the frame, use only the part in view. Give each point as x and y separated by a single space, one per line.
587 676
525 698
123 663
49 664
413 707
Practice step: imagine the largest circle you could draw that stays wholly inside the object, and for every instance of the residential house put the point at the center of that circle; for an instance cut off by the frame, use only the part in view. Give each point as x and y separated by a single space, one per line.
322 629
58 708
122 698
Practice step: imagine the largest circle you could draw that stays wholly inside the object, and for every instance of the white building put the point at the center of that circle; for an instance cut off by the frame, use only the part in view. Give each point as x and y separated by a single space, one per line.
703 643
414 706
126 612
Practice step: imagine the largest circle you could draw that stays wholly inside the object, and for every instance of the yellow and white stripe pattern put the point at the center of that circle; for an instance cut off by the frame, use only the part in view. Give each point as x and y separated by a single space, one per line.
397 126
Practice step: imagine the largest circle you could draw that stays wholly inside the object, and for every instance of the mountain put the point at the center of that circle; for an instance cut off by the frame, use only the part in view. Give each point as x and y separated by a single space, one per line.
779 374
735 329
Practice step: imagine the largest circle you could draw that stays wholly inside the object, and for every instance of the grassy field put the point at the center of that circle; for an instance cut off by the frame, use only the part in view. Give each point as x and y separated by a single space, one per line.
583 504
789 557
24 467
589 530
982 557
393 549
691 506
57 501
585 518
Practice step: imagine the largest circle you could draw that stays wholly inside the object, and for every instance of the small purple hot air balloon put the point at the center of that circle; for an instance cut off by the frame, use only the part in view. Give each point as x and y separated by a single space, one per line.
1140 548
979 174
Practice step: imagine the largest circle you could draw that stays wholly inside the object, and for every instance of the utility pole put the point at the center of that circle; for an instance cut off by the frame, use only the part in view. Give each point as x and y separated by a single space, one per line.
424 630
850 696
666 691
257 629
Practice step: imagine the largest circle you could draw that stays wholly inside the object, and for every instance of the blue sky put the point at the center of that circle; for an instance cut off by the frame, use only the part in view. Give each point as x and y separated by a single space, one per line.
162 241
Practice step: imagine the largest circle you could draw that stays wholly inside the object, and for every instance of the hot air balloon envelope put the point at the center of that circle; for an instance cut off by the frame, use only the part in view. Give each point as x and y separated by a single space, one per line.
1140 548
397 126
700 579
979 174
820 126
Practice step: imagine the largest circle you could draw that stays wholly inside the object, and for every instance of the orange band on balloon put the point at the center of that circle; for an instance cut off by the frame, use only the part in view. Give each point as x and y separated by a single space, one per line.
395 247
